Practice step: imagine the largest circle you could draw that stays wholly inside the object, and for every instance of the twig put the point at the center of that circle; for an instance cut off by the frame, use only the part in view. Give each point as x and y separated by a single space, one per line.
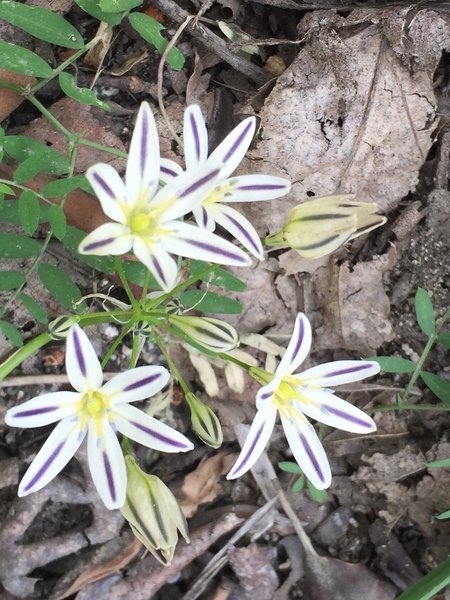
213 42
23 380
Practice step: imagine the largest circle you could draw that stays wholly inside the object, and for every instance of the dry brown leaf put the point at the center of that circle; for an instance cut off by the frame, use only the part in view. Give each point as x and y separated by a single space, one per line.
202 484
96 55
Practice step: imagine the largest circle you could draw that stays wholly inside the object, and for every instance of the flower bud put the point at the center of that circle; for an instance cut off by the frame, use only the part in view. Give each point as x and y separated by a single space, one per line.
204 422
320 226
153 512
213 334
59 328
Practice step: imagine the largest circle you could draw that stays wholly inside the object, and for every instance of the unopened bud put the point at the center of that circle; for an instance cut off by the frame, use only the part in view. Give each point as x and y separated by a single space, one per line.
59 328
213 334
204 422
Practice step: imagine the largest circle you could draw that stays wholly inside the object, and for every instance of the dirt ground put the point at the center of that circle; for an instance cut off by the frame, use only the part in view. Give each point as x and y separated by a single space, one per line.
350 98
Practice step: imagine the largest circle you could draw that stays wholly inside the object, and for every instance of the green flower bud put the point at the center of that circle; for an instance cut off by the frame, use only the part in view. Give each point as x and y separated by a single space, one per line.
59 328
204 422
213 334
320 226
153 512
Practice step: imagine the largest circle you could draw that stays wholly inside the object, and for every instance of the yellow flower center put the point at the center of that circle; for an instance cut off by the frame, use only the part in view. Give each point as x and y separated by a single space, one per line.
219 193
285 396
93 406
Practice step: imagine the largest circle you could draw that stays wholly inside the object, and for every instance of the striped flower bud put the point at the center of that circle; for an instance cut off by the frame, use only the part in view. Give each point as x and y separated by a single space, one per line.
153 512
204 422
59 328
213 334
320 226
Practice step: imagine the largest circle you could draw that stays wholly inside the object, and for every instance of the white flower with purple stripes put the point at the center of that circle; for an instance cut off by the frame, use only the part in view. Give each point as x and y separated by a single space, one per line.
244 188
306 393
96 410
146 217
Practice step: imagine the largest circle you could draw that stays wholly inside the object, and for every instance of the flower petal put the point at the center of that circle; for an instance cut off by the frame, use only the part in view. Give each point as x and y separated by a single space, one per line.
232 150
186 191
298 347
338 372
158 261
110 238
327 408
43 410
257 439
142 174
146 430
192 242
136 384
239 227
251 188
168 169
265 393
204 218
106 463
307 450
109 189
58 449
195 137
82 365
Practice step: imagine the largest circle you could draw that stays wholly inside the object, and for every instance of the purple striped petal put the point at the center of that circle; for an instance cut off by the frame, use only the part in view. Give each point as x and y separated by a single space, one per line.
82 365
257 439
168 170
43 410
158 262
110 238
256 188
109 189
58 449
339 372
307 450
136 384
298 347
233 148
195 137
240 228
146 430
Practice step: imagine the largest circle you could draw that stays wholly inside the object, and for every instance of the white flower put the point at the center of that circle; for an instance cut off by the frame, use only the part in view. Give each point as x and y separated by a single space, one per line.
96 410
244 188
146 220
306 393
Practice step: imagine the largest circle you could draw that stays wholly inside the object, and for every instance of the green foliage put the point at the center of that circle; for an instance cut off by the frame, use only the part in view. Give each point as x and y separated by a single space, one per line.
431 584
439 463
394 364
29 211
425 312
440 387
82 95
13 245
60 187
149 29
291 467
10 280
57 220
60 286
219 277
34 308
34 157
72 240
92 7
210 302
11 333
444 339
5 189
117 6
41 23
23 61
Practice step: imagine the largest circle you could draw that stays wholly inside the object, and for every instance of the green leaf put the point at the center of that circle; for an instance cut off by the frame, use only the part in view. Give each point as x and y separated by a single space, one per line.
10 280
57 220
440 387
37 311
150 30
29 211
5 189
13 245
210 302
444 339
42 23
299 484
394 364
425 312
444 515
11 333
23 61
439 463
91 7
72 240
136 273
60 286
82 95
35 157
317 495
432 583
219 277
115 6
289 467
61 187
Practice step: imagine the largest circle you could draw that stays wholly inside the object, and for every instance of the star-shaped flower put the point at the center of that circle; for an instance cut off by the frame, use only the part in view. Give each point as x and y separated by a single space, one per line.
146 217
96 410
306 393
243 188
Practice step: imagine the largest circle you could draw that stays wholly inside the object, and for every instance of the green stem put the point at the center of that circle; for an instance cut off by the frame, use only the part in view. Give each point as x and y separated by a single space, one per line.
123 278
117 343
48 115
135 351
172 365
103 148
25 189
23 353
